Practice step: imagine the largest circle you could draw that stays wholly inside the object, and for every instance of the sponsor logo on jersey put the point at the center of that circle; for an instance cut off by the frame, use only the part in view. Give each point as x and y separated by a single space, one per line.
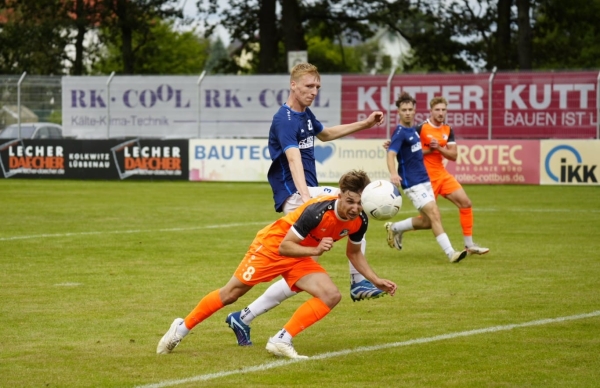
306 143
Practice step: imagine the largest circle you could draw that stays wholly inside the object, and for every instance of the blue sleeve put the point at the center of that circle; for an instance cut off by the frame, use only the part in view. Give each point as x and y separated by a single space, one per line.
282 128
396 141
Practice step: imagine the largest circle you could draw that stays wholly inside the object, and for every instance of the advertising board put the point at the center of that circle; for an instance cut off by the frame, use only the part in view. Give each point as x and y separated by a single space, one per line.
570 162
523 105
94 159
177 107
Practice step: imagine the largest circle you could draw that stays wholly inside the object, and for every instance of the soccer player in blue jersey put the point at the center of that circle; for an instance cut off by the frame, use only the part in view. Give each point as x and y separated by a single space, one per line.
411 174
293 179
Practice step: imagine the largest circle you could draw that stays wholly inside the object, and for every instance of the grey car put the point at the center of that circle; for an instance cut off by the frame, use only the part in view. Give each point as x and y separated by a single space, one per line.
33 131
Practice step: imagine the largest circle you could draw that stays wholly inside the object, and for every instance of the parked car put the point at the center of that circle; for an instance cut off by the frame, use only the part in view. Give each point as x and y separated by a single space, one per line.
33 131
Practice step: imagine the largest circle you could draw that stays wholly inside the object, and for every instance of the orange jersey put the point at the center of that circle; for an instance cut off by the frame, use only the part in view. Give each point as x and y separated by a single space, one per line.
434 161
314 220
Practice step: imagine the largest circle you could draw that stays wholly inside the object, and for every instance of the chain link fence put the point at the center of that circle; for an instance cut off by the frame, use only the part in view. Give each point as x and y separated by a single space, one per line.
39 99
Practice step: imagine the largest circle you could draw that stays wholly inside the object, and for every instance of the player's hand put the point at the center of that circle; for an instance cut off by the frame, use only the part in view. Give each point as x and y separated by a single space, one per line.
434 144
376 118
395 179
386 144
386 285
324 245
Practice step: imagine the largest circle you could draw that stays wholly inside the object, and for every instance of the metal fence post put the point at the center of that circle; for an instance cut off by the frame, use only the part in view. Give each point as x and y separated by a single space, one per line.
19 101
198 95
389 104
490 82
108 104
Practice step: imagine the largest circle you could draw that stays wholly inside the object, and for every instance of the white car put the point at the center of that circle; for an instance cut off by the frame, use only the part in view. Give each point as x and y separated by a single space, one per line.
33 131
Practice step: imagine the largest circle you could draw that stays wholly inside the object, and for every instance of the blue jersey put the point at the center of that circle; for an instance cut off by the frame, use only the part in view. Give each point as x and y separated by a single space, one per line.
406 142
291 129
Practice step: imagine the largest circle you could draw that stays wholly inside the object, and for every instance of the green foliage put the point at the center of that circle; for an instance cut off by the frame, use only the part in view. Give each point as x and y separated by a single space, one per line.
566 37
332 58
94 272
32 38
165 51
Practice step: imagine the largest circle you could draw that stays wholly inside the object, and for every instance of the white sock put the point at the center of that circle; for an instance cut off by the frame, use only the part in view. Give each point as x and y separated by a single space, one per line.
182 330
403 226
444 242
355 276
468 241
273 296
282 336
246 315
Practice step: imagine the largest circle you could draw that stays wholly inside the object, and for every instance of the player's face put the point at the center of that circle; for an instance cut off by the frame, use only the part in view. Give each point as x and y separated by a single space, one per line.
438 113
305 89
349 206
407 114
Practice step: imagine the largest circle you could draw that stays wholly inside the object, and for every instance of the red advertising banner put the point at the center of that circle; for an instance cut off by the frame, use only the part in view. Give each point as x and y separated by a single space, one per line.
523 105
497 162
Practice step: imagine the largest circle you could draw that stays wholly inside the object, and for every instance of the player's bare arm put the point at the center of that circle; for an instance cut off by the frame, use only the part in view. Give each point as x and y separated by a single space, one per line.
359 262
290 246
335 132
391 165
297 169
449 152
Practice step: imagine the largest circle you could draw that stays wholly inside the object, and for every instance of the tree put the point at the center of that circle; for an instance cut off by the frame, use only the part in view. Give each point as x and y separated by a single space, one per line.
165 51
524 44
124 18
82 18
218 61
32 37
566 37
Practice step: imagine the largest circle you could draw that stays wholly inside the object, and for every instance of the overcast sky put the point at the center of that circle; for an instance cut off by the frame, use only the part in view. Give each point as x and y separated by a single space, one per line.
190 10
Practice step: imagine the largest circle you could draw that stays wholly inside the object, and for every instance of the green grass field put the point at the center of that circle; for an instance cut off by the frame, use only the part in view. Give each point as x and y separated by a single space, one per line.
93 273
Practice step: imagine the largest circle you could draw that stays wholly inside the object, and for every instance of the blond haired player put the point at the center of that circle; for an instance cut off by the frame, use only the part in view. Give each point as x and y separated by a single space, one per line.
286 247
293 179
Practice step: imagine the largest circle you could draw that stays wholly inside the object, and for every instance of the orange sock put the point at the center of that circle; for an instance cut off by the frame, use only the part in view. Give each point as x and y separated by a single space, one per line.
466 221
311 311
210 304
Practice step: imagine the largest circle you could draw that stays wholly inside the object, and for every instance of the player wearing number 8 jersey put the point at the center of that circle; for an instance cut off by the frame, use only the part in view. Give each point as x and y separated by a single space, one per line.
285 248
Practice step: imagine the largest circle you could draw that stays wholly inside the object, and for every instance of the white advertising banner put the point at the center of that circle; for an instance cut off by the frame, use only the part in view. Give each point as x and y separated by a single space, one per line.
177 107
569 162
248 160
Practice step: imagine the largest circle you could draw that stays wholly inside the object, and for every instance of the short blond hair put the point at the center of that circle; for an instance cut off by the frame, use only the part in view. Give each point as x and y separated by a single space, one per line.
437 100
304 68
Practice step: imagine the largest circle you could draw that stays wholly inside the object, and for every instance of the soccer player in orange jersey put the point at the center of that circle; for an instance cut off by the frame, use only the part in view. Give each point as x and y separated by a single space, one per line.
285 248
437 139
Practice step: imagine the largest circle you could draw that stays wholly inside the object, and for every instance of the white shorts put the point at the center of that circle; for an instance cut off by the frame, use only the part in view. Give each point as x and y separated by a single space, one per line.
295 200
420 194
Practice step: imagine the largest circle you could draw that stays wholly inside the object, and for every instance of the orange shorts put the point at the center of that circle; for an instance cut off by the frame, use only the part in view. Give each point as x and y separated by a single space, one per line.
261 266
445 185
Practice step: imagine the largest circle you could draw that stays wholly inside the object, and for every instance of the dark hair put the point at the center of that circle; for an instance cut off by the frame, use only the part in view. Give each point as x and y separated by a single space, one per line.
354 180
405 98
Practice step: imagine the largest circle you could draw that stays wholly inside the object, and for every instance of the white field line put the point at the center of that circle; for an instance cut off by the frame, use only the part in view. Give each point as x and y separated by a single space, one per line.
280 363
130 231
402 211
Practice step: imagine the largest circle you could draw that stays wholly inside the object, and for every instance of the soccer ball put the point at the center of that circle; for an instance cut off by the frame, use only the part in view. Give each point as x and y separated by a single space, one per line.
381 200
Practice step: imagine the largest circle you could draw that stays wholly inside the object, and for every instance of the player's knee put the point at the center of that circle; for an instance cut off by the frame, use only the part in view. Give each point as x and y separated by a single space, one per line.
331 297
465 204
